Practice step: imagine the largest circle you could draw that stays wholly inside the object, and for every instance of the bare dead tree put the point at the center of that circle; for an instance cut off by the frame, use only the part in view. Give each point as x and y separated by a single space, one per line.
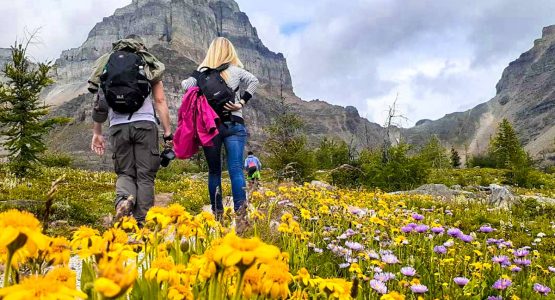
391 121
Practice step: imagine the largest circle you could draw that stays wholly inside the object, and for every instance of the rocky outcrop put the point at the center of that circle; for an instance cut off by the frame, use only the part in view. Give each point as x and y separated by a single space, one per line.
494 195
525 96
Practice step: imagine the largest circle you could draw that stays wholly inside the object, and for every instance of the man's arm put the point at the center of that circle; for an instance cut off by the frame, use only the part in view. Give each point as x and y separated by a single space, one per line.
98 144
161 107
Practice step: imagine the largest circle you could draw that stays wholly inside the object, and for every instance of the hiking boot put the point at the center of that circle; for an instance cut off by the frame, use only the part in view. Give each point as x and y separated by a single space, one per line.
123 207
241 220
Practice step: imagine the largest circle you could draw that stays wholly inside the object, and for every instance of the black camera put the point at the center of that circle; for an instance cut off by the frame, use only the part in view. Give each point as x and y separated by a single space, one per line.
166 157
168 154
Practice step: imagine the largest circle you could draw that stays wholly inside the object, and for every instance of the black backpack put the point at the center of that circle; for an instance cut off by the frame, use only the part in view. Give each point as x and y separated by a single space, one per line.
124 82
214 88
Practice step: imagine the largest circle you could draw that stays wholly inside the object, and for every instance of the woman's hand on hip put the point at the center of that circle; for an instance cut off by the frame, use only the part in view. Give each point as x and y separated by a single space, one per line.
233 106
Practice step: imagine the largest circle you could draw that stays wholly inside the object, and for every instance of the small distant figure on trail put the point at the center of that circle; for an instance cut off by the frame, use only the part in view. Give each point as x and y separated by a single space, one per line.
128 89
253 167
218 79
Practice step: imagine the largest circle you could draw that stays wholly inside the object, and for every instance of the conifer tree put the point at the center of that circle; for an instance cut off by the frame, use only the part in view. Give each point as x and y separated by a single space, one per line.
23 122
505 147
455 158
434 154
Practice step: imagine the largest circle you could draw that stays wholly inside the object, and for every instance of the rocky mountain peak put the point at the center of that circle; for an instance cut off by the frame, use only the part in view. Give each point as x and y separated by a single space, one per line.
548 32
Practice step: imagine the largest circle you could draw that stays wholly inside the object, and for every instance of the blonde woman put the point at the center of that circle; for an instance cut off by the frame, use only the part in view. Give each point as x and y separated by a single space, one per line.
222 60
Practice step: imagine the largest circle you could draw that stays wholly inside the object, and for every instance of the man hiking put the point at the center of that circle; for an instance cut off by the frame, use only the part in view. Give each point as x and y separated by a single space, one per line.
128 88
253 167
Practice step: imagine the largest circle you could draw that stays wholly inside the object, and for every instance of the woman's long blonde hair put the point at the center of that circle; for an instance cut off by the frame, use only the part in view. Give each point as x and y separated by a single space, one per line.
221 51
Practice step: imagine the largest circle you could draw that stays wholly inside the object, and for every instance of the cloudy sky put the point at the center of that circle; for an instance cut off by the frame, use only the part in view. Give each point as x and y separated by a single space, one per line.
438 56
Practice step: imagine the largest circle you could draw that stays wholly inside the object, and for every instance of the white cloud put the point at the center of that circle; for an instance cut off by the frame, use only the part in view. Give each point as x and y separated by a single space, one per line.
63 24
439 56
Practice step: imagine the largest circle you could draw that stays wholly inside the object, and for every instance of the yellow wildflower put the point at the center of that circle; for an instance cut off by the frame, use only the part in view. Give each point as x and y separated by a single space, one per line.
38 287
58 251
163 269
114 277
305 214
392 296
63 275
303 276
21 229
180 292
336 287
275 282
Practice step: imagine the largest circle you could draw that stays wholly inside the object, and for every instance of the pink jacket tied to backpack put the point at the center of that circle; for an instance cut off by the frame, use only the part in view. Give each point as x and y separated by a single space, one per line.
196 124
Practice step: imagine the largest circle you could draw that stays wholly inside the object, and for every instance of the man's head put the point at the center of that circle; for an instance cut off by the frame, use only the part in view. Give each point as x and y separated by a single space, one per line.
250 153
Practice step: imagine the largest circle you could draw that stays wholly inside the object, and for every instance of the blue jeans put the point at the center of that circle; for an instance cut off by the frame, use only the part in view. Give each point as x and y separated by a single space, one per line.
233 136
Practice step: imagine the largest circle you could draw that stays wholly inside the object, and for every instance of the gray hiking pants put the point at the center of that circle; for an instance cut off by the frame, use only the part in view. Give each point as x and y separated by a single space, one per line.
136 157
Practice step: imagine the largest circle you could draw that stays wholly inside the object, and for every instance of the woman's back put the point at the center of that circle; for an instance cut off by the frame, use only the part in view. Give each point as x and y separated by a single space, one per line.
235 76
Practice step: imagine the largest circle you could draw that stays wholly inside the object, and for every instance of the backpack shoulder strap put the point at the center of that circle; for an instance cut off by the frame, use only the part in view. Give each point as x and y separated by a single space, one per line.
196 74
223 67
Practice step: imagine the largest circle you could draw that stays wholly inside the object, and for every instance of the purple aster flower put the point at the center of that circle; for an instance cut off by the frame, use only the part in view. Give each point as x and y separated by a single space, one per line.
454 232
354 246
522 252
384 277
516 269
418 288
373 255
486 229
491 241
417 217
466 238
408 271
350 232
448 212
502 284
421 228
449 243
461 281
541 289
522 262
501 259
495 298
552 269
377 270
318 250
390 259
407 229
438 230
440 249
378 286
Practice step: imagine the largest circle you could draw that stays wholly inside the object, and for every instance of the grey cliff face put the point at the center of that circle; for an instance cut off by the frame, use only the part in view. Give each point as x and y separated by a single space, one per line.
187 26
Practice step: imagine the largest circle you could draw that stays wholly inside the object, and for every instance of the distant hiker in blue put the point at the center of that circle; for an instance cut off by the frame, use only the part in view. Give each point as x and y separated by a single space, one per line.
253 167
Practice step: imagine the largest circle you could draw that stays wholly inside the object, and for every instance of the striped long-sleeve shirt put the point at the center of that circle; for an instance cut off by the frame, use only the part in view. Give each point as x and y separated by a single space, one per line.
236 76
